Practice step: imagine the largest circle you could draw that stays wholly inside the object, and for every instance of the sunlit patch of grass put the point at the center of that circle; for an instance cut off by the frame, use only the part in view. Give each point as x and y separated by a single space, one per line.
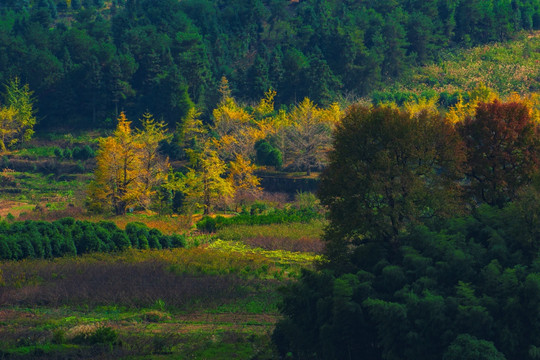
36 152
313 229
281 257
22 207
505 67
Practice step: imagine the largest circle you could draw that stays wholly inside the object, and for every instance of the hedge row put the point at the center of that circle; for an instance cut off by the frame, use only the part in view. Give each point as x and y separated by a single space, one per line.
40 239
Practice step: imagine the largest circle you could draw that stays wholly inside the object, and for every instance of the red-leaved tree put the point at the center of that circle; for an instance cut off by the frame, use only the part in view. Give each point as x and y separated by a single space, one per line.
503 150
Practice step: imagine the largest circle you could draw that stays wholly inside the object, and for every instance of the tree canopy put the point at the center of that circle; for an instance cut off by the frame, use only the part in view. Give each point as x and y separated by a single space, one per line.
388 168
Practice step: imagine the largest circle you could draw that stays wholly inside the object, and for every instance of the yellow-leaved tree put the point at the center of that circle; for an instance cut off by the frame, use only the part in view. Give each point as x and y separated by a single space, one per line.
308 137
154 167
204 184
234 128
7 126
243 179
17 117
128 167
464 109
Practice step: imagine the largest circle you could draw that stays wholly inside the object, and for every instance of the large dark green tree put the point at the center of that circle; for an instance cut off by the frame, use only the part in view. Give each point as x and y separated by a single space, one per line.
388 168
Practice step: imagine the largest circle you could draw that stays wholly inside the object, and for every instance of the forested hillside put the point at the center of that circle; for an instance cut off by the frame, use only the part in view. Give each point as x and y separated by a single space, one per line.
88 59
159 161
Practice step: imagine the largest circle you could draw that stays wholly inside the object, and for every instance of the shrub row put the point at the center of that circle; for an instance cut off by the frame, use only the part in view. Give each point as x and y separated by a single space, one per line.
77 153
277 216
41 239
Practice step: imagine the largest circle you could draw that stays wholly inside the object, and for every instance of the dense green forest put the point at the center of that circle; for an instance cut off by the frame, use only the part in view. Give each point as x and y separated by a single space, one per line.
432 250
86 60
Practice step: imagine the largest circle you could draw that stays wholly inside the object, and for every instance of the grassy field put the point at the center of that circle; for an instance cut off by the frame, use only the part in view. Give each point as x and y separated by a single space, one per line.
508 67
215 299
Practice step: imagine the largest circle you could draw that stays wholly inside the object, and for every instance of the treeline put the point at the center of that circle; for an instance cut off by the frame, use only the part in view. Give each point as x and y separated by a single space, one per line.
89 59
41 239
219 159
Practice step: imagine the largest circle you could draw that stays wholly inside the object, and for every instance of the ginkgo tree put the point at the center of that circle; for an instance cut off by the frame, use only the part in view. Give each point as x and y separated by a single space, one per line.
235 128
243 179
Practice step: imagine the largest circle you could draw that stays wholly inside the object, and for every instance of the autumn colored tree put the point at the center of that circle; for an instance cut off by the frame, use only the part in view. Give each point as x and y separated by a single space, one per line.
243 179
503 150
17 117
236 130
206 183
117 170
154 167
463 109
128 167
7 126
388 168
191 133
308 138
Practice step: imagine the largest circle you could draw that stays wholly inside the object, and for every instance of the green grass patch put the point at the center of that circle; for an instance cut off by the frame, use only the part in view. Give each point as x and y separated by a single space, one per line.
132 334
505 67
274 216
37 350
38 188
77 138
261 303
36 152
312 229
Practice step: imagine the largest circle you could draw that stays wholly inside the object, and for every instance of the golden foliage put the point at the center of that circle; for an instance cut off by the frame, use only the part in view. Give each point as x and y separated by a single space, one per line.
307 138
464 109
128 166
266 105
243 179
153 170
422 105
205 185
7 127
17 118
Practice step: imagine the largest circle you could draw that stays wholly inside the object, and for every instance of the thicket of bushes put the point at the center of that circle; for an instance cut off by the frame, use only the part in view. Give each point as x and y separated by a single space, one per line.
275 216
76 153
467 288
40 239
